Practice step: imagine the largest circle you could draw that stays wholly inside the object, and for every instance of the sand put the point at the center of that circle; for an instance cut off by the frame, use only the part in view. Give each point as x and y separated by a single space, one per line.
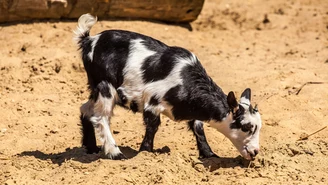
273 47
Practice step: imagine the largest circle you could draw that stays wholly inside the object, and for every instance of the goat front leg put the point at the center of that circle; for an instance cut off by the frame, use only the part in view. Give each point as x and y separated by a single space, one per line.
204 149
152 122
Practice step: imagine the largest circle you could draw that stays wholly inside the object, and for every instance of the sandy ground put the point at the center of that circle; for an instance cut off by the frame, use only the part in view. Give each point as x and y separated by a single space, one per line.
273 47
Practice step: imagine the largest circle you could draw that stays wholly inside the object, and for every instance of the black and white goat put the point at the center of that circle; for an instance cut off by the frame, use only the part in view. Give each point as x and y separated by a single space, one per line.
145 75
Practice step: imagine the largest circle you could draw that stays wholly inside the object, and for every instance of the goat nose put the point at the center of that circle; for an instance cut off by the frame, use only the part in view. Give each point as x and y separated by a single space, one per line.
256 151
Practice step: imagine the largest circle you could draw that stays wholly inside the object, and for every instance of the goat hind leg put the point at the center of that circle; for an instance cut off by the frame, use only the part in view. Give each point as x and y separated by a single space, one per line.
104 96
88 135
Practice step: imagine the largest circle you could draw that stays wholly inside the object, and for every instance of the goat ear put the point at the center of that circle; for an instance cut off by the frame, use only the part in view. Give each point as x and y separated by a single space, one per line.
251 109
231 99
246 96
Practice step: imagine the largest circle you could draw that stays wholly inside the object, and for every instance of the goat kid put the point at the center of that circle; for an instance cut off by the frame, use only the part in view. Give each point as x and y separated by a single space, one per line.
145 75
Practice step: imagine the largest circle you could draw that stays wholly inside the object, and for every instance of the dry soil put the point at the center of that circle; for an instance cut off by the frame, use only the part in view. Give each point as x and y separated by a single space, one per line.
273 47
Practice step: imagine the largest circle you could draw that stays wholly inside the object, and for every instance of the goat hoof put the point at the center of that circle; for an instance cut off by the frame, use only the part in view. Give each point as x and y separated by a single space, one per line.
119 156
208 156
145 148
93 150
214 155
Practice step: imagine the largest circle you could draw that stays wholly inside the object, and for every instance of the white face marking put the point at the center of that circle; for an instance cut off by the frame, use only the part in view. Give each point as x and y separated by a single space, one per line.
245 142
93 44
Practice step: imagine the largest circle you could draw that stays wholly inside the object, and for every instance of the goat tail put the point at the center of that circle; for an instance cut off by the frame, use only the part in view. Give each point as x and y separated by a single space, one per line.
85 23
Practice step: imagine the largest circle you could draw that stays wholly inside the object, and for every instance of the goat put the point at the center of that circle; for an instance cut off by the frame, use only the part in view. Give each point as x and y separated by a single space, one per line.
145 75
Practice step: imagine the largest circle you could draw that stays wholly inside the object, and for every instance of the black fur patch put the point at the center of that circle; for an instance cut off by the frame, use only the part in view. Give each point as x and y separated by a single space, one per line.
110 55
154 69
152 122
198 97
103 89
255 130
88 135
153 44
159 66
122 97
109 58
247 127
134 106
238 116
153 100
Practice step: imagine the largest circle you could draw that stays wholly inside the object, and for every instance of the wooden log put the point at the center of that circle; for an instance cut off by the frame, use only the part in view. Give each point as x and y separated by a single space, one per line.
163 10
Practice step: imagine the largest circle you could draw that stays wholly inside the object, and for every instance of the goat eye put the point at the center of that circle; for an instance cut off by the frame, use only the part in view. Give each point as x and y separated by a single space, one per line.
246 127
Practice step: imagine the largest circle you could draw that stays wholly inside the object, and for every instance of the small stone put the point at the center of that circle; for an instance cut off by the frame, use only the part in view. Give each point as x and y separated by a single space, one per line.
266 20
54 131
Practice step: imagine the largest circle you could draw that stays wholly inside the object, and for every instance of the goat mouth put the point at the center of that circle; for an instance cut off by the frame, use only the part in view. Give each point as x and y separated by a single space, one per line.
250 154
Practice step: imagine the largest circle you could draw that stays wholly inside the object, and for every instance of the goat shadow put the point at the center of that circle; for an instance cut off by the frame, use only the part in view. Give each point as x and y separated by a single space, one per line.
79 154
76 154
214 163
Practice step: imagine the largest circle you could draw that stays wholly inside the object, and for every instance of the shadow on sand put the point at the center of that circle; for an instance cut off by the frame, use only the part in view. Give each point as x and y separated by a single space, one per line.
79 154
76 154
215 163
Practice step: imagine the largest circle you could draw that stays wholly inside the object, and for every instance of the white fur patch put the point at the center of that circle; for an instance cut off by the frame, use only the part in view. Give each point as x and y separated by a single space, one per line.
155 109
87 108
133 84
134 87
101 112
197 123
85 22
93 44
224 125
160 87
